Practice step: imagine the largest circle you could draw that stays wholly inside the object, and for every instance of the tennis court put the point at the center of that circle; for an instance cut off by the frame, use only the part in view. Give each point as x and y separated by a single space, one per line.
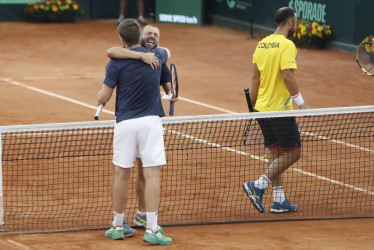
53 74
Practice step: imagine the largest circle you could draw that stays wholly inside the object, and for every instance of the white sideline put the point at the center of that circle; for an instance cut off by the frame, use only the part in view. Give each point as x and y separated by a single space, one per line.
19 244
54 95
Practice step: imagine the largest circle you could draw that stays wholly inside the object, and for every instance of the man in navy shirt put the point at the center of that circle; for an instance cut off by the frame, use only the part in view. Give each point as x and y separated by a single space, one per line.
138 131
150 38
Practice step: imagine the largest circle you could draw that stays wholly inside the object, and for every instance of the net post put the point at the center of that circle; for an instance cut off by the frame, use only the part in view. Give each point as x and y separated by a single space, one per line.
1 186
251 36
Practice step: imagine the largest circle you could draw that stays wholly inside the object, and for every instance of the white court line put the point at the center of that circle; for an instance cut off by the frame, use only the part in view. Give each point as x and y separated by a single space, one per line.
216 145
334 181
206 105
19 245
104 110
210 143
339 142
30 78
55 95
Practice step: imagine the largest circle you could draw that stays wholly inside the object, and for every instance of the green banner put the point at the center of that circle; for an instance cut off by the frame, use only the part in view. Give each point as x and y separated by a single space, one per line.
181 11
16 1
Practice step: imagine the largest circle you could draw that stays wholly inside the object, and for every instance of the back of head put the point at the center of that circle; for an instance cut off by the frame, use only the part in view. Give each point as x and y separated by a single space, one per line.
282 15
129 30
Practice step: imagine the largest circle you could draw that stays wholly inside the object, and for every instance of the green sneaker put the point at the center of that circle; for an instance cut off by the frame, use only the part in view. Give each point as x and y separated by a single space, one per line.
127 230
156 238
115 233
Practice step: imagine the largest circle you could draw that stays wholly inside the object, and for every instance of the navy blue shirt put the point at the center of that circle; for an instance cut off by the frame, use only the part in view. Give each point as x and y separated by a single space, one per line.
138 85
165 74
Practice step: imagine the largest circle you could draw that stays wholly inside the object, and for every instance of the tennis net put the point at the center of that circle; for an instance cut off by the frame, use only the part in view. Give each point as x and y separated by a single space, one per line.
56 177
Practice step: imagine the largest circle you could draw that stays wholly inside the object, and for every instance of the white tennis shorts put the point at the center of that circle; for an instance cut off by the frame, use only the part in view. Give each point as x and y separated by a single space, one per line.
139 138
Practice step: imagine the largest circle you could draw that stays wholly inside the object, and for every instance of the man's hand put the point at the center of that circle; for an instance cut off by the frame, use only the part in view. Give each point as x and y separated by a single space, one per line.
169 97
151 59
304 107
174 99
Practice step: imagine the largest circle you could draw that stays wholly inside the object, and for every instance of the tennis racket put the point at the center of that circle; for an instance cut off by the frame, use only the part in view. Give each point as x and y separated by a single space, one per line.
365 57
252 136
98 112
174 86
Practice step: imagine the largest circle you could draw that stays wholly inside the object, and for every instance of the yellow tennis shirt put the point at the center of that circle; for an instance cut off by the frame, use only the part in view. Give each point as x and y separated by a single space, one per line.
272 55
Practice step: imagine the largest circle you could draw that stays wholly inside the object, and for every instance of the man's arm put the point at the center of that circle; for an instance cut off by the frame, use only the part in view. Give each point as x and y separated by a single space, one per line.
104 95
167 87
123 53
165 81
291 84
167 51
255 84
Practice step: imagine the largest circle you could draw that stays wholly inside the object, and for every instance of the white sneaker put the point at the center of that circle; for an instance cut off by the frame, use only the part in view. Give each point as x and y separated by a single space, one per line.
120 19
142 20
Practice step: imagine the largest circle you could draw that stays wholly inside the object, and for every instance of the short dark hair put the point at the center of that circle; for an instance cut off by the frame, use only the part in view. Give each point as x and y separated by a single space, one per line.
282 15
129 30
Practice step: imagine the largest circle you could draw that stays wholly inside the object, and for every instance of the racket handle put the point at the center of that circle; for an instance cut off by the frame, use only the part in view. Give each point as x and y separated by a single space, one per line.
249 102
98 112
171 110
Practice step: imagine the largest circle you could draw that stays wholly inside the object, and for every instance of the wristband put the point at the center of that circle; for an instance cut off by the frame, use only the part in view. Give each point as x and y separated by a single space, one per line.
298 99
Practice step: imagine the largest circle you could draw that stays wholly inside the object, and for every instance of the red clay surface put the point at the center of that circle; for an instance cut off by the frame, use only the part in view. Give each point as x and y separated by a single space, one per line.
214 65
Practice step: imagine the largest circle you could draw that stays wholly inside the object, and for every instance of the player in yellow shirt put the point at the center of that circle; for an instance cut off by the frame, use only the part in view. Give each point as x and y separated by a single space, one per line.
273 85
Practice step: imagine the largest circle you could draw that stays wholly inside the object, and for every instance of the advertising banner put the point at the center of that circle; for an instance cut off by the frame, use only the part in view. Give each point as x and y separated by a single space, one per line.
181 11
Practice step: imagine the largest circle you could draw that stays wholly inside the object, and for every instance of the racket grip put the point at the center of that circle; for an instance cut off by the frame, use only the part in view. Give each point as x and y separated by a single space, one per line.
171 110
98 112
249 102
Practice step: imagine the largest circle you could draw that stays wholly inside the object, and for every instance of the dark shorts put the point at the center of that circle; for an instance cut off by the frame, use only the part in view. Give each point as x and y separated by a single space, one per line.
281 132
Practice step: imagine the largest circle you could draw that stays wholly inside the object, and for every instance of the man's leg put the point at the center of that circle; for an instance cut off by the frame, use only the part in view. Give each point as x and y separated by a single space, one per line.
276 168
140 186
141 18
255 190
152 194
119 185
140 217
122 10
153 234
120 188
140 7
280 164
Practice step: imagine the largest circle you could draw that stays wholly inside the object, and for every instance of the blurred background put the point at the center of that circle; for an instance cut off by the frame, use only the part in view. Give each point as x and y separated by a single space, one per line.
350 20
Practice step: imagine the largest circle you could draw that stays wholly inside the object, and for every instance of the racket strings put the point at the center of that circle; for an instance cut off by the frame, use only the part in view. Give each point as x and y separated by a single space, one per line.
365 57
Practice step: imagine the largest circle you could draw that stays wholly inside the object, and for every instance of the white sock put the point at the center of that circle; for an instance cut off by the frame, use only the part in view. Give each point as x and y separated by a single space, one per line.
262 182
278 194
121 16
152 221
118 219
141 17
150 231
141 213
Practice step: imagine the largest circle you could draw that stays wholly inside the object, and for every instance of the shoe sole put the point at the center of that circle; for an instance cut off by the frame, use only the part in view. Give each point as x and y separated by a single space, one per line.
162 244
129 235
277 211
252 199
121 238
